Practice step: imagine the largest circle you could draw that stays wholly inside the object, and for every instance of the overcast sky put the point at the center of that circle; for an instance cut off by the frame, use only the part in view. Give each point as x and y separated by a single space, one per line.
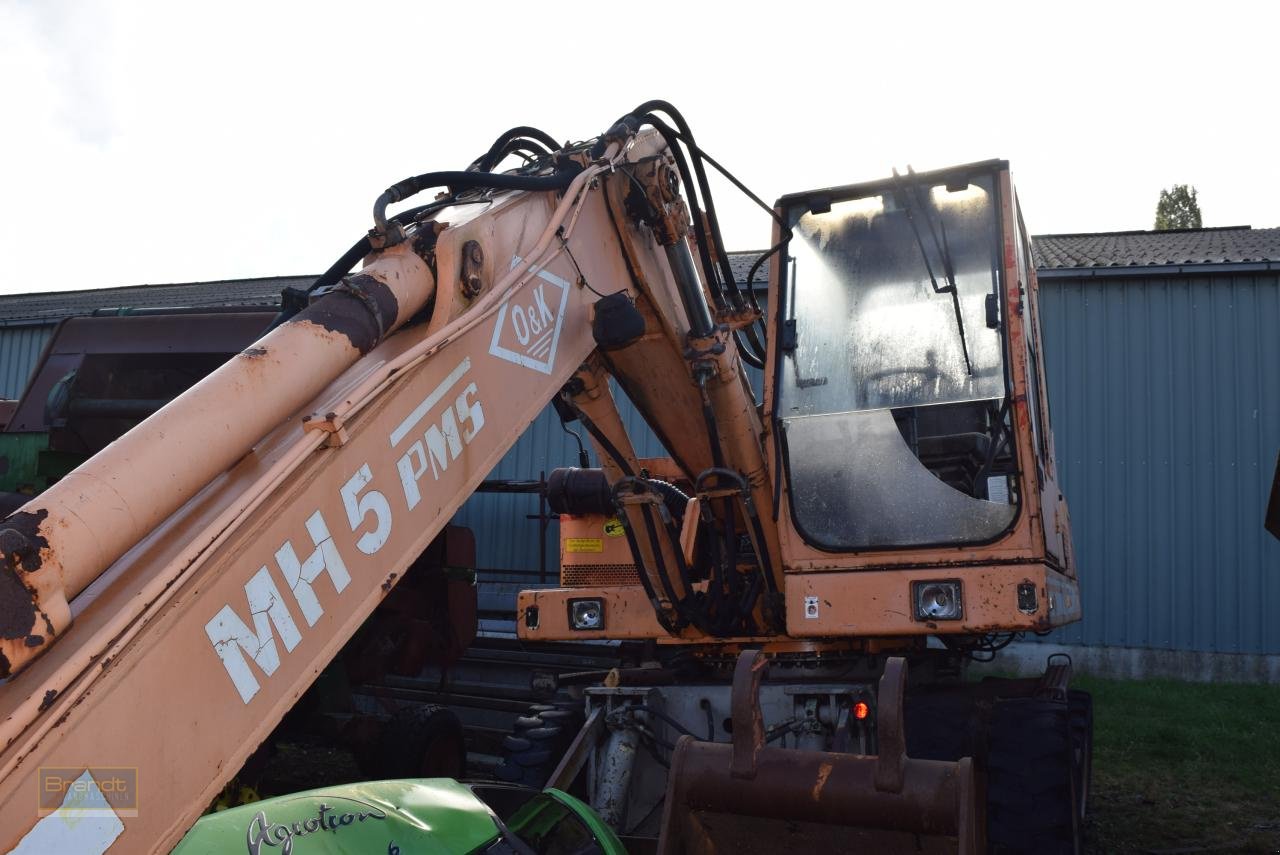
150 142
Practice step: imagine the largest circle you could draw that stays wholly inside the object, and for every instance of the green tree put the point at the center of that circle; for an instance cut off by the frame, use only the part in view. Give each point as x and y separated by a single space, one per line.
1178 208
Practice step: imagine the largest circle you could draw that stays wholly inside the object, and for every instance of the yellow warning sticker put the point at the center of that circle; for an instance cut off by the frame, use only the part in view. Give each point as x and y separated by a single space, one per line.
613 527
583 544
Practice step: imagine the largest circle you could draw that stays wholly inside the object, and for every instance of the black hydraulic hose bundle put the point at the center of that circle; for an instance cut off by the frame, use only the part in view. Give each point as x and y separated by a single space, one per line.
528 149
712 613
521 138
660 571
707 203
630 478
524 139
518 138
753 348
457 181
752 351
527 138
763 580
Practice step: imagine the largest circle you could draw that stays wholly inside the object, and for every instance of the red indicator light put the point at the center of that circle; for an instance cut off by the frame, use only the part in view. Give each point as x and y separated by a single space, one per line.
861 710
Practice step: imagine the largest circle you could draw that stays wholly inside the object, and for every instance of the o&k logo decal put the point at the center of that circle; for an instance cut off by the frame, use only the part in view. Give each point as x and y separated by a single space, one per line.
528 327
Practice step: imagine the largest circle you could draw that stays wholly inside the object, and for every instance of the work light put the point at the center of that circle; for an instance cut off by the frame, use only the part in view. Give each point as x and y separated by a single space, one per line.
586 614
938 600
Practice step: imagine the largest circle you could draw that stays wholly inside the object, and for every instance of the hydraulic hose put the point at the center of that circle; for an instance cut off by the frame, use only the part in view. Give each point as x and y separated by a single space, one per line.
659 569
700 156
349 259
749 344
671 138
519 145
496 151
560 180
599 436
457 180
704 190
343 265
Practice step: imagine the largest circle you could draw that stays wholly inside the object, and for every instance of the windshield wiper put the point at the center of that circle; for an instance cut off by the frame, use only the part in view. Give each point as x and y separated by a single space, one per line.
907 192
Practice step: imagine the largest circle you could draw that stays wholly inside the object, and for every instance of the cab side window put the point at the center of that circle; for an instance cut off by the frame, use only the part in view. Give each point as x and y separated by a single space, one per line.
549 827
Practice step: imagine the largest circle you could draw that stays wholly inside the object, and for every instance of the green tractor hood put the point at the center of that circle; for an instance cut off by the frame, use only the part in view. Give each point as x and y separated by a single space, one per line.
393 817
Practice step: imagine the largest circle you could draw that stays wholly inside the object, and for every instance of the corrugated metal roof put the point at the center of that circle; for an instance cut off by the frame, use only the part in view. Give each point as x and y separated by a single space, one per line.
1052 252
1234 244
53 306
741 263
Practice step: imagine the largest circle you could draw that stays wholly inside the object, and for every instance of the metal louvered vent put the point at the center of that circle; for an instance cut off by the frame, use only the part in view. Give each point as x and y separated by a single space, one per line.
596 575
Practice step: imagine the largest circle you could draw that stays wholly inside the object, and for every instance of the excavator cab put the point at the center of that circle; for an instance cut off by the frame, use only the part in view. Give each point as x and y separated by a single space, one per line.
915 463
915 460
910 478
893 344
918 489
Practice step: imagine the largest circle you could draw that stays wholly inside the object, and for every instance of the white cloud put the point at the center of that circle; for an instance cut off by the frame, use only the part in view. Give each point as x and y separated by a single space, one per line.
151 141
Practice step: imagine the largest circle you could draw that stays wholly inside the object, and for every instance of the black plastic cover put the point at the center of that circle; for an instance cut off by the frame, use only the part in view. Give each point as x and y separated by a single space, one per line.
617 322
571 490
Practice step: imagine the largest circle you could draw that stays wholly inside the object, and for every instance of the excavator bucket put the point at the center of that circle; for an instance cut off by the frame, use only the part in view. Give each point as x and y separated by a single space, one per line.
748 797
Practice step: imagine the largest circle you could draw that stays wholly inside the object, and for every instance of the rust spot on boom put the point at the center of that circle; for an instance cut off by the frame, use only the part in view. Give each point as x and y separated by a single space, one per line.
24 549
360 307
20 546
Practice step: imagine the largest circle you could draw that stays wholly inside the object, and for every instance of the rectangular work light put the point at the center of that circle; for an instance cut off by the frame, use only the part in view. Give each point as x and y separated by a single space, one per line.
941 600
586 614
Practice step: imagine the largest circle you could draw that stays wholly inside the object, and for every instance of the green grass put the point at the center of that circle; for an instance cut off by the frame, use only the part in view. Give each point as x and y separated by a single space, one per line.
1184 767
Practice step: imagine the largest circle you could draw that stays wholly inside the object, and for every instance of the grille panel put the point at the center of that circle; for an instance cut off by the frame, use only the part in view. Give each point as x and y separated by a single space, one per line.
598 575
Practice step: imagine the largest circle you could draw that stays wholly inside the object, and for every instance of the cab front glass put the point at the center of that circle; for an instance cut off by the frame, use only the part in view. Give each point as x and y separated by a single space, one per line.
892 385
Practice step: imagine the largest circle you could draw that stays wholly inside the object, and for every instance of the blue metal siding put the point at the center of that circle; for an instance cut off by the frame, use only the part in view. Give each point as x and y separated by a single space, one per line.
1165 396
505 539
19 350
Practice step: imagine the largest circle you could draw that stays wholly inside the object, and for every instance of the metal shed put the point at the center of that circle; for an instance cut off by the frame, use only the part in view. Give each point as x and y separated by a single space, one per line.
1164 377
27 321
1163 364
